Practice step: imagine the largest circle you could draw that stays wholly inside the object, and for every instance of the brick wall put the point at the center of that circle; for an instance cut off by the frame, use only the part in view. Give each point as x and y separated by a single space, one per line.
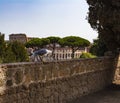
54 82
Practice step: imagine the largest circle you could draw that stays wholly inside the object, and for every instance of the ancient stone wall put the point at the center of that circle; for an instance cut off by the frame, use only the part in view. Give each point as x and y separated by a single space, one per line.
117 72
54 82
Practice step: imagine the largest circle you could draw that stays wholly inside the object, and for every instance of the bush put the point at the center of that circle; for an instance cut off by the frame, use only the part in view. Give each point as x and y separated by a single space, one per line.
87 55
1 61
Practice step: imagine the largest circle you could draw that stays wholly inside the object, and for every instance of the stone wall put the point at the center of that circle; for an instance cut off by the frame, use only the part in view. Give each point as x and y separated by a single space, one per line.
117 72
54 82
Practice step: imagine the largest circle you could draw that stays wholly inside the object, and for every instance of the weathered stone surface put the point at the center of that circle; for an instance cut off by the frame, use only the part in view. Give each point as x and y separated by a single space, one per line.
9 82
54 82
18 77
47 92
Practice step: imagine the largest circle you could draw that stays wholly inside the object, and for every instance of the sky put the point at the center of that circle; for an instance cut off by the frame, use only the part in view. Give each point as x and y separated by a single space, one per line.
43 18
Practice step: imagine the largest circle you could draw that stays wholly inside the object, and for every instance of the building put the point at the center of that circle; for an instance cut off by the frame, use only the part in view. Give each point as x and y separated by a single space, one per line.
62 53
18 37
66 52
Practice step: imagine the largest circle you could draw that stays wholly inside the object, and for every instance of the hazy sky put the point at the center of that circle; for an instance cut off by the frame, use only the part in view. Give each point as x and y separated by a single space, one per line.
43 18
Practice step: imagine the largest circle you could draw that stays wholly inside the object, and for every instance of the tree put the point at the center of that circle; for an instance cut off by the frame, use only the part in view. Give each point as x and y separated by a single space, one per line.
9 55
37 42
2 46
53 43
19 51
74 43
104 16
12 51
44 42
98 48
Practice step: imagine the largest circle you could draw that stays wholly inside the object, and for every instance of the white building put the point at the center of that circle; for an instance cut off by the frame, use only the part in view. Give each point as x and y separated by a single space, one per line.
65 53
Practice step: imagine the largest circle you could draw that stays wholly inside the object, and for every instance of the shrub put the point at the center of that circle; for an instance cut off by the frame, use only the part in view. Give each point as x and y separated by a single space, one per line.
87 55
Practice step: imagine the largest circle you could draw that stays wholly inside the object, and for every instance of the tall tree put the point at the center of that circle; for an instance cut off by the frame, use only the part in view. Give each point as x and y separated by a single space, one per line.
98 48
44 42
19 51
9 56
2 46
53 43
74 42
104 16
35 42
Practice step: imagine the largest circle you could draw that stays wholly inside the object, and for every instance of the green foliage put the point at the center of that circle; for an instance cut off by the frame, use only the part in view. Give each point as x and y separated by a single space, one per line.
74 42
98 48
35 42
104 16
44 42
9 55
87 55
53 39
12 52
20 52
1 61
2 46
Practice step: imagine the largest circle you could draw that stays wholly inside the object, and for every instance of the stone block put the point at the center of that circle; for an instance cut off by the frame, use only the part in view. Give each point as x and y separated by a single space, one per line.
47 92
18 77
9 82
